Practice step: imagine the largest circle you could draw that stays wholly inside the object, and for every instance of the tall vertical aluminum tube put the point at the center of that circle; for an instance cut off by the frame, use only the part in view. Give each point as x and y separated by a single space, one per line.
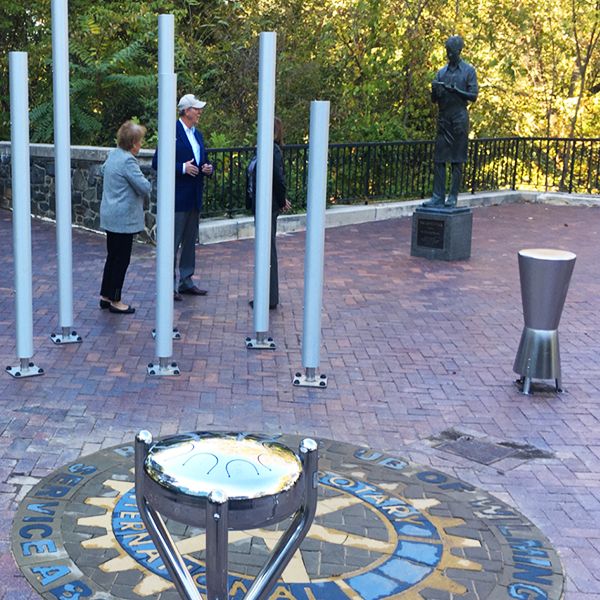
264 178
166 44
62 155
165 217
315 232
21 194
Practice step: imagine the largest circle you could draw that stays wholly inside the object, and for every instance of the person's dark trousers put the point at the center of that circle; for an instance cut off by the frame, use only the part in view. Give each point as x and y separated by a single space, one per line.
457 171
186 234
118 255
273 273
439 182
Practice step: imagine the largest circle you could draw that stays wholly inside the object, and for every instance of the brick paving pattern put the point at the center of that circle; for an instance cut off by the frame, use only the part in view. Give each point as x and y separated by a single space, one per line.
411 347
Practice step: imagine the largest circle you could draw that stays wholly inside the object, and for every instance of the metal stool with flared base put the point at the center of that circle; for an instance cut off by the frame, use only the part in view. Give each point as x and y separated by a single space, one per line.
545 275
222 481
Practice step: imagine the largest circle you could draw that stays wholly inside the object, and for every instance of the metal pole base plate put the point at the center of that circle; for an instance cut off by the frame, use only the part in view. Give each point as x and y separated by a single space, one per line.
30 370
308 381
163 369
258 343
176 334
66 337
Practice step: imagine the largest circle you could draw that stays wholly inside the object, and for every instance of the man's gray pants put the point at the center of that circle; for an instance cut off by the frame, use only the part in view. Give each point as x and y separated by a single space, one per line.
186 234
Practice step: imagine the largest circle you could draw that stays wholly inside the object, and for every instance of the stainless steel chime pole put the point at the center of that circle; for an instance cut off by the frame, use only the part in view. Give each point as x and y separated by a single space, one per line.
62 178
21 195
264 190
315 245
165 211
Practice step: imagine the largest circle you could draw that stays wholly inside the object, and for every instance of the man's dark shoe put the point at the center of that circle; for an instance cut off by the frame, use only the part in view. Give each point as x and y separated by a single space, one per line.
194 291
450 202
177 297
104 304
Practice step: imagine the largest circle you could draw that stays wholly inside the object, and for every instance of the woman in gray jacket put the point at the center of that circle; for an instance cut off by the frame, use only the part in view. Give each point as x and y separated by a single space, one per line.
121 212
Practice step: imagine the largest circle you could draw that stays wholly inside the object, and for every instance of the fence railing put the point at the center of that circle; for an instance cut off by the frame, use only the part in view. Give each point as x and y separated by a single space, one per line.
375 171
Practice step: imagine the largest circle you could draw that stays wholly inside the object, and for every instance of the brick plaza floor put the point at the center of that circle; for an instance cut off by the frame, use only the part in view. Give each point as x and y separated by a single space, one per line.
411 348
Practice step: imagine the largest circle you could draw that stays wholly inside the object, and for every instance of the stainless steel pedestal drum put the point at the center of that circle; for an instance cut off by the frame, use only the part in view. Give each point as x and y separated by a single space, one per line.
222 481
545 275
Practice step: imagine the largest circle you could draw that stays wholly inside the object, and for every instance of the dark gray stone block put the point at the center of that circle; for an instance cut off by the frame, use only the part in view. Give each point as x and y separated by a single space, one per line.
442 233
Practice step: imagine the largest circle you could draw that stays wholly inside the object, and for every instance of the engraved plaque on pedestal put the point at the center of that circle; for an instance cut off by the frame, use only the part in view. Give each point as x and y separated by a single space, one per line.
430 233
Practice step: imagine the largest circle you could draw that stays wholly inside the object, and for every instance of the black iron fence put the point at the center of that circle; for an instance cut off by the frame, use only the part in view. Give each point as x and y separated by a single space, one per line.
375 171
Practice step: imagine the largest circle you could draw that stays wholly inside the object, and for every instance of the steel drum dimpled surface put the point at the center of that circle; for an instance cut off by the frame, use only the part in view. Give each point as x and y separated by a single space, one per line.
242 467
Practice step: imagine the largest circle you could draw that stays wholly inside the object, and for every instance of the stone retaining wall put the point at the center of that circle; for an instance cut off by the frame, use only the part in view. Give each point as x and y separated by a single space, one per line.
86 184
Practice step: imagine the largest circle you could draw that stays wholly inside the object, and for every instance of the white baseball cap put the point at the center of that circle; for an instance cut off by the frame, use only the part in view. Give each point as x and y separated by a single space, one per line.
190 101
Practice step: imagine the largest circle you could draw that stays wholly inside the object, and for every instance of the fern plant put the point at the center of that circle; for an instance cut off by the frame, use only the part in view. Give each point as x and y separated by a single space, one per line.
104 92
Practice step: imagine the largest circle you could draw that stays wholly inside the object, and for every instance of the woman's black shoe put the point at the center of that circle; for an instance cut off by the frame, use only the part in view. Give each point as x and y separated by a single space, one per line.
121 311
104 304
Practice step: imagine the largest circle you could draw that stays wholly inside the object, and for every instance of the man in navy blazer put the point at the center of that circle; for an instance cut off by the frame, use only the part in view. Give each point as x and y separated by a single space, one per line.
191 166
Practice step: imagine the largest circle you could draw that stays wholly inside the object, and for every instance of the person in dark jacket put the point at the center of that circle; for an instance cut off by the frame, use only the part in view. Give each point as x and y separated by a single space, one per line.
121 212
453 87
191 167
280 203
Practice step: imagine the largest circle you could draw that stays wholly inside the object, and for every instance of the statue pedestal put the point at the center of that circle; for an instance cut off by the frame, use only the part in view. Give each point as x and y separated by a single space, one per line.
442 233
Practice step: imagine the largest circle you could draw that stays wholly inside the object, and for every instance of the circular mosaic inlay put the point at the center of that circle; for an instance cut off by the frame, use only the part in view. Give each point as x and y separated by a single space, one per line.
384 529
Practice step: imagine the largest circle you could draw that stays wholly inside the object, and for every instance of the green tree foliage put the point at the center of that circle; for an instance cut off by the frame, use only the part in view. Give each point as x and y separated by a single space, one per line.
538 63
24 27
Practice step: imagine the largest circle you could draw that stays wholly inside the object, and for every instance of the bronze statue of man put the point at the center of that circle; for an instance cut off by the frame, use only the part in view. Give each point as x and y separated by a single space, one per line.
453 87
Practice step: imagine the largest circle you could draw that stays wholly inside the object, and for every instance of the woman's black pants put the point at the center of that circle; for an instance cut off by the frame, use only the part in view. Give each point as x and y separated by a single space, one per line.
274 271
118 255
